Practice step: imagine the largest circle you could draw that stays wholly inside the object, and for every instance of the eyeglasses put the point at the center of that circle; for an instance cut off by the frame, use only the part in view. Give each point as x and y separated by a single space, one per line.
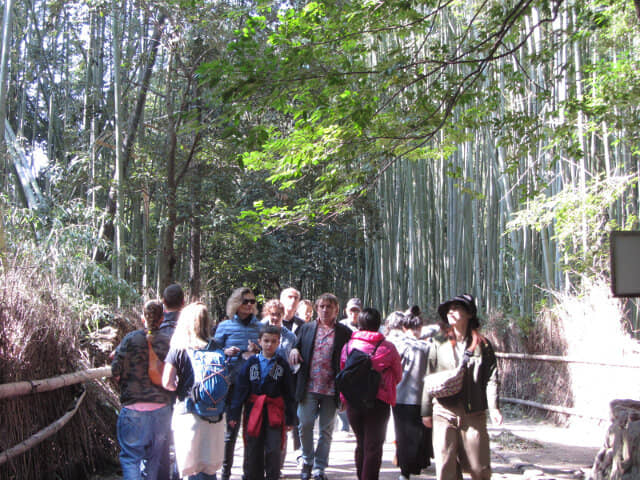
248 301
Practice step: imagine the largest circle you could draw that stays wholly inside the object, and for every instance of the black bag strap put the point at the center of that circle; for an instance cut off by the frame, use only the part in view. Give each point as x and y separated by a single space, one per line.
370 354
377 345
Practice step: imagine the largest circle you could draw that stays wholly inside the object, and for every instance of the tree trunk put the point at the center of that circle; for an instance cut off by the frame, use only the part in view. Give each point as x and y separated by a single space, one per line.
132 127
194 258
168 259
119 172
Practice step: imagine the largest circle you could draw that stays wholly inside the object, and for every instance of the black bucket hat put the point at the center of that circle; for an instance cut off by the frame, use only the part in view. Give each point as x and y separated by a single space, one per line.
468 302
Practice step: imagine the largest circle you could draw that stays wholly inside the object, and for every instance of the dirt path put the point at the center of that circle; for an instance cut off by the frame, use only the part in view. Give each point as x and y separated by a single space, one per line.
522 449
536 449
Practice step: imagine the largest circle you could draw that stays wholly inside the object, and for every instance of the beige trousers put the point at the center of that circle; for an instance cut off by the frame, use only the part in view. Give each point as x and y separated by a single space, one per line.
460 443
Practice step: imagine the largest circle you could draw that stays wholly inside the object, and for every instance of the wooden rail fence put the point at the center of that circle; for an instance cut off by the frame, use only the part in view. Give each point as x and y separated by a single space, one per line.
11 390
559 359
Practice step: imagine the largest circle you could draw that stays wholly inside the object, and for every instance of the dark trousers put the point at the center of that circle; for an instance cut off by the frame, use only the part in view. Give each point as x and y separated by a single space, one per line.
413 440
370 428
230 437
262 453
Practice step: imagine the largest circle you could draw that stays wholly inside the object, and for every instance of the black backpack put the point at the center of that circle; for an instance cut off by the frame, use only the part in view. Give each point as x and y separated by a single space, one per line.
358 382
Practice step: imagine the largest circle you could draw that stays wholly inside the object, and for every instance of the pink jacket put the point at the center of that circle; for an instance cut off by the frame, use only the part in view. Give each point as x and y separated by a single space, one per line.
386 360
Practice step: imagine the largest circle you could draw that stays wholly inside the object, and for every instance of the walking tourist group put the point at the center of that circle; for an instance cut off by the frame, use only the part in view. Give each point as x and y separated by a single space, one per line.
189 387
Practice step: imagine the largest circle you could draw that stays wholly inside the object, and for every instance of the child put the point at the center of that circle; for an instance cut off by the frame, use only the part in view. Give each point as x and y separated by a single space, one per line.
265 387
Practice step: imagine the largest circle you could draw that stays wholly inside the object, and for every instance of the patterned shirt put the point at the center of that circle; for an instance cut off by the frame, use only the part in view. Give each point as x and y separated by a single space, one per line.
321 374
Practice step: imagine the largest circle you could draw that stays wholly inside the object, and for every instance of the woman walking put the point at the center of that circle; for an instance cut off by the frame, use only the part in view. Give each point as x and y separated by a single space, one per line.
199 442
369 424
460 437
413 439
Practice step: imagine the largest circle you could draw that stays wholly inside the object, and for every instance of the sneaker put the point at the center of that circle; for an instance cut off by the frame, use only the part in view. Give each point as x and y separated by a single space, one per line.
319 476
305 473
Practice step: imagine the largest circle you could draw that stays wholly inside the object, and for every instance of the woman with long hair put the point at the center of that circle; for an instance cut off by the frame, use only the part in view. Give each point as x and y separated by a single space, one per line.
198 441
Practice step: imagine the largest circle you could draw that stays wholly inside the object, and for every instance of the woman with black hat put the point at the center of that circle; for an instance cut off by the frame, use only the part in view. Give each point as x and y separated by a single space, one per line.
459 422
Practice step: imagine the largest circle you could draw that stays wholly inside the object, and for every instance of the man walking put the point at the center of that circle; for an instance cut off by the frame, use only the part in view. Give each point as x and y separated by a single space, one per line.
172 301
290 297
352 310
317 351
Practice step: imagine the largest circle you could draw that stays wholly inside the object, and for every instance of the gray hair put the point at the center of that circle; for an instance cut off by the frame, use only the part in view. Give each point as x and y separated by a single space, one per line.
395 320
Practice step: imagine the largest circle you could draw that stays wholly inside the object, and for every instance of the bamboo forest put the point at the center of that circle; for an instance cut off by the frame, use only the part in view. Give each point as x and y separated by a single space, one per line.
403 152
397 151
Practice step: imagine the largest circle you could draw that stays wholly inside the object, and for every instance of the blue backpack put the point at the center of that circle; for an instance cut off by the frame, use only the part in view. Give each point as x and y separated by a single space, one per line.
210 382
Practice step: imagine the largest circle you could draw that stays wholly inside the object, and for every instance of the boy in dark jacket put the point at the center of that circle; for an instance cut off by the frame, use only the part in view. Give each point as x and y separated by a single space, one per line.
265 387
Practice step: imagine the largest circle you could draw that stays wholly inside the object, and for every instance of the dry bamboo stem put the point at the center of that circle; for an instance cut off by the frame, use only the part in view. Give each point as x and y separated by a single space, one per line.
554 358
17 389
43 434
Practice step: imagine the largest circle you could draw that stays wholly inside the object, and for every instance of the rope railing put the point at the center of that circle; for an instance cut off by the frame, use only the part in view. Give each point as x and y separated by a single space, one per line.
553 408
559 359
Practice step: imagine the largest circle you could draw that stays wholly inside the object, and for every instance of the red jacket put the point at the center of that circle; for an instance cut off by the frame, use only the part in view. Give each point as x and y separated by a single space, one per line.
386 360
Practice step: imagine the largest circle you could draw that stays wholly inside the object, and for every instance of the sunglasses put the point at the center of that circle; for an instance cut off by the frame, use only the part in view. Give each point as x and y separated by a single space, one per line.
248 301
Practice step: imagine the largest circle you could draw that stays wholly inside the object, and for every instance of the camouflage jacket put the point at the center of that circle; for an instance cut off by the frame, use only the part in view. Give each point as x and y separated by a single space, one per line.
131 363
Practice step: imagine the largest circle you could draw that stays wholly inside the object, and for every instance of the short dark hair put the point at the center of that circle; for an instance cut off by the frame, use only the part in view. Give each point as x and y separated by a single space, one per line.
328 297
269 330
173 296
369 319
411 322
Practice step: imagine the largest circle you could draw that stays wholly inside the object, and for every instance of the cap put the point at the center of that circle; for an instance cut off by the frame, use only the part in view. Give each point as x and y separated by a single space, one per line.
354 303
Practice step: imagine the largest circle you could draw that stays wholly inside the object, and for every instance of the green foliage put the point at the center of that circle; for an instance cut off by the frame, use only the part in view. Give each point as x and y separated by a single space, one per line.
579 218
344 89
60 244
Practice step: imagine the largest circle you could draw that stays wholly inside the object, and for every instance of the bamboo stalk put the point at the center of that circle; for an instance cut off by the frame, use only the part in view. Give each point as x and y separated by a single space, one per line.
42 435
16 389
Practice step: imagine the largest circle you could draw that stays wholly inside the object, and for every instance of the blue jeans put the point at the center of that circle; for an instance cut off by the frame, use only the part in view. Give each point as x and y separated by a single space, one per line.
202 476
142 436
313 406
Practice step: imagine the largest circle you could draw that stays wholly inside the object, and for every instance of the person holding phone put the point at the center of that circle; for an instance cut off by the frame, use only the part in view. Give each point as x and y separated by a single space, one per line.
238 337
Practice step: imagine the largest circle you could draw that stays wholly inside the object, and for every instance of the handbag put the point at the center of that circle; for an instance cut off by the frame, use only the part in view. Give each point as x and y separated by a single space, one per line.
156 366
449 382
446 383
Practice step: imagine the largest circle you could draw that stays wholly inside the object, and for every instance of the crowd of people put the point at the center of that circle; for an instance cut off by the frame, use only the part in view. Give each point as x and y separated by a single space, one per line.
279 375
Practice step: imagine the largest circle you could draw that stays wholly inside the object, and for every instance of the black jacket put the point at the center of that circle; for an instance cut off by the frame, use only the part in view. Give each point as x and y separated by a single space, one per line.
305 344
278 383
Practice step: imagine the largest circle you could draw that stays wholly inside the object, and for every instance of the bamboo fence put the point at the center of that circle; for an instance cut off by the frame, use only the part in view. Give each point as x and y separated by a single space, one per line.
11 390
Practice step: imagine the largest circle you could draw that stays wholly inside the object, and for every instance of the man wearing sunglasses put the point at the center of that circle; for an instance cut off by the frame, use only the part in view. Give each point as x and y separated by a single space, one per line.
239 339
